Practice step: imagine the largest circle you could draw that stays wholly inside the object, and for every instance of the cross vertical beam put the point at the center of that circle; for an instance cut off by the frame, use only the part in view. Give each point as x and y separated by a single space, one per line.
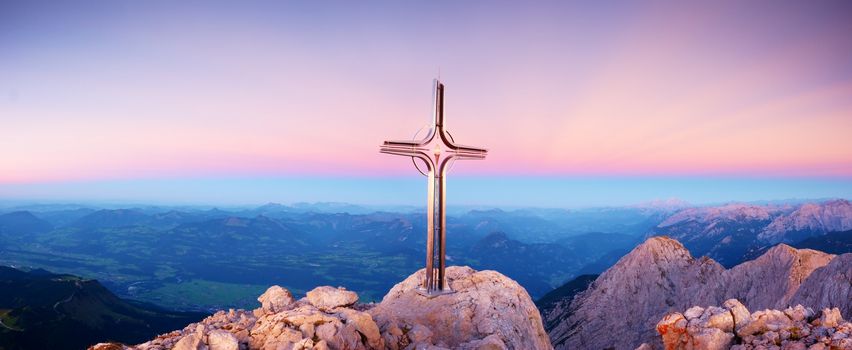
437 150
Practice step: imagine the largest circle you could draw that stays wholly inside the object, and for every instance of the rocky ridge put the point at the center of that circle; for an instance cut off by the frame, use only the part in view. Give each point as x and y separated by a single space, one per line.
486 311
734 232
831 216
660 276
729 212
733 327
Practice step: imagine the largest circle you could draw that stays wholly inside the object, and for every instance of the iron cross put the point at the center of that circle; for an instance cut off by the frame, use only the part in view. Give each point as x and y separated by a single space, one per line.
437 151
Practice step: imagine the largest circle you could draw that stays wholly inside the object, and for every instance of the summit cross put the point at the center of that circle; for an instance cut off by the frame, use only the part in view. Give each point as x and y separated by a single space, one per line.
437 150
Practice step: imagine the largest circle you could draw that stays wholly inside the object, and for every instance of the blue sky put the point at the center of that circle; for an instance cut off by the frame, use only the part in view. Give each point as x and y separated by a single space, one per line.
496 191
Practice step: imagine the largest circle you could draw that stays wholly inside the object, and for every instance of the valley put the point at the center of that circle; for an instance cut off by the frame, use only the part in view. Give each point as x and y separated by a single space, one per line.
202 260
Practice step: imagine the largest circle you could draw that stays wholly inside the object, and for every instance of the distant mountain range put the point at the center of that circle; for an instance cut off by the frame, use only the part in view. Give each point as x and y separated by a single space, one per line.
731 233
41 310
173 256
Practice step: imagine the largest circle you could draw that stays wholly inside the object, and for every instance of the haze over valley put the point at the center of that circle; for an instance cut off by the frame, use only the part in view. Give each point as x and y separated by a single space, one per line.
192 259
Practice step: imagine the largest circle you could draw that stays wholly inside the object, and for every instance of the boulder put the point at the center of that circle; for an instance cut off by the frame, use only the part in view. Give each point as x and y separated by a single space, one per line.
363 323
222 340
721 319
326 298
798 313
711 339
738 311
693 312
482 303
830 317
276 299
192 341
766 320
672 328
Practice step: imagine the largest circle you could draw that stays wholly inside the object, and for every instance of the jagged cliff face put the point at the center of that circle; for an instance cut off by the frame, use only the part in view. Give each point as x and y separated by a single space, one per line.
771 280
829 285
486 311
660 276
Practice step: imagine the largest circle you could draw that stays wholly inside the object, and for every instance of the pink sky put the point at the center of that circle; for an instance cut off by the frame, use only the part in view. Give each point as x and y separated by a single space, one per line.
157 92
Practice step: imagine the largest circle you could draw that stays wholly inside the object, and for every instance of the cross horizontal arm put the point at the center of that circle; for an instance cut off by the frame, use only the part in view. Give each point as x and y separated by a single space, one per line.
466 156
405 151
468 152
405 143
468 149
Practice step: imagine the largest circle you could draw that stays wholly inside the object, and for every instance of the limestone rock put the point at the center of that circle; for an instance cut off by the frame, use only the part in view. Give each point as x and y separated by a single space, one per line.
192 341
764 321
363 323
711 339
491 342
739 313
484 303
830 285
420 334
673 330
276 299
222 340
326 298
791 329
721 319
830 317
693 312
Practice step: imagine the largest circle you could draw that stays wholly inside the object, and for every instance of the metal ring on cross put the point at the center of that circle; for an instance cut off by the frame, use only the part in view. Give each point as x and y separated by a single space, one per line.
414 160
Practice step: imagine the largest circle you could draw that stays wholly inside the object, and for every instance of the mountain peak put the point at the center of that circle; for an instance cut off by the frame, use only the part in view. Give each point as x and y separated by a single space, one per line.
660 276
661 243
22 222
657 249
652 278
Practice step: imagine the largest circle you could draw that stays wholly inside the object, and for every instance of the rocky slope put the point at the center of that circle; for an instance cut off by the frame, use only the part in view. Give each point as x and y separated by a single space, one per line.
732 233
486 311
43 310
733 327
661 276
829 285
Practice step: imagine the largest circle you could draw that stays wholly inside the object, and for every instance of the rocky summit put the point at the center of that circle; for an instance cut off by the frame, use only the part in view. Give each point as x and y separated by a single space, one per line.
660 276
485 311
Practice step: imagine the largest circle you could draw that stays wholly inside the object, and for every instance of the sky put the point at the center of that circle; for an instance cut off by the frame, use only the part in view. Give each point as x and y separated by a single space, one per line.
602 103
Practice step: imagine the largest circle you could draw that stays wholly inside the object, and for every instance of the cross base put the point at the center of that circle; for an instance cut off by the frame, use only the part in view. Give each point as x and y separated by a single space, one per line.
434 293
